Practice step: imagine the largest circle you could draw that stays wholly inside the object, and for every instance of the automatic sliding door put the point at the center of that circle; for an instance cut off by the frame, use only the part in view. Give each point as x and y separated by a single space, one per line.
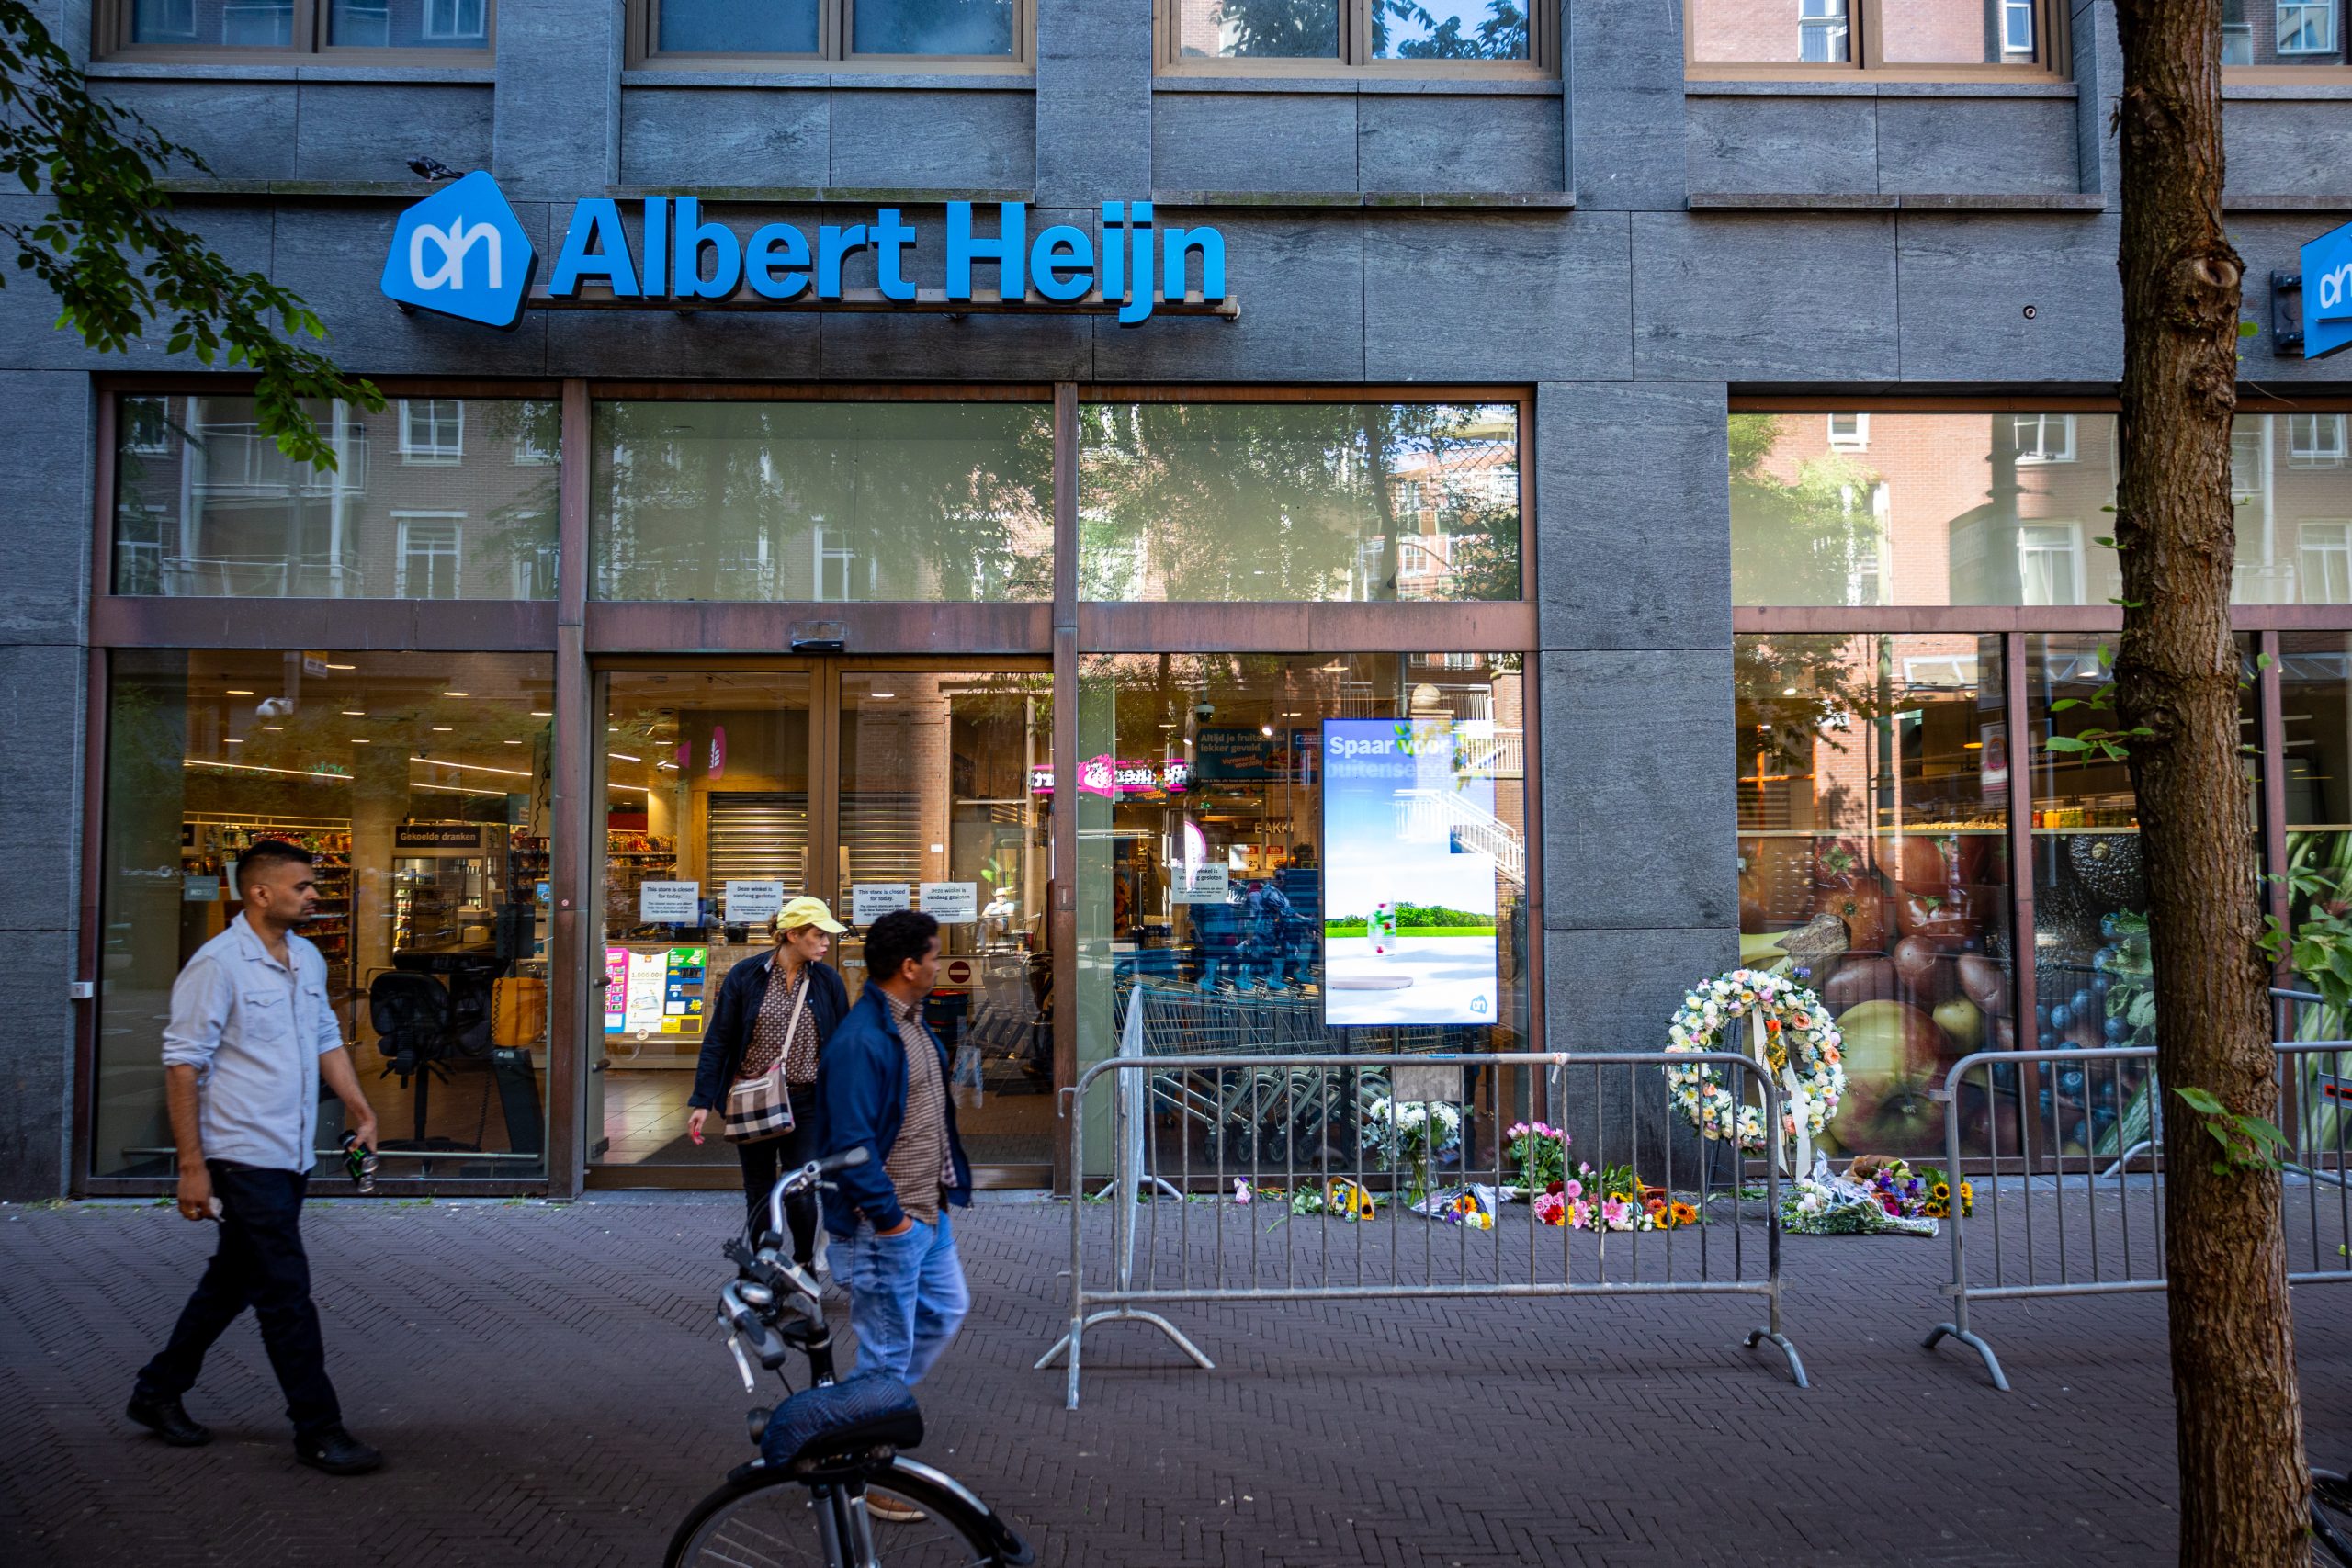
946 797
707 830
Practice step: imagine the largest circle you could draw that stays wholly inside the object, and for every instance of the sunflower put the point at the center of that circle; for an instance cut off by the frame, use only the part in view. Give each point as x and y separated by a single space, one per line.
1683 1214
1941 1192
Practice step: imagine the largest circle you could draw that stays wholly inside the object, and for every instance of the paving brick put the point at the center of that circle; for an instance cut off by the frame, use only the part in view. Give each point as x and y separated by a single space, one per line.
549 1390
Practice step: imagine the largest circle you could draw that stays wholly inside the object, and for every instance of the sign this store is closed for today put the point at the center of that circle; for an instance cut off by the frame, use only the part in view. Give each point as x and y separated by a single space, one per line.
460 252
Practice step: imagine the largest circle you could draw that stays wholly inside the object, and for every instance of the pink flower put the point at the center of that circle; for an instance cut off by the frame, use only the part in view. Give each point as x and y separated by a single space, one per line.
1613 1212
1573 1189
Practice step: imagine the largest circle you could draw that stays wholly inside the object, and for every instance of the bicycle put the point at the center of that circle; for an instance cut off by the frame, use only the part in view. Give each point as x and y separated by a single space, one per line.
830 1451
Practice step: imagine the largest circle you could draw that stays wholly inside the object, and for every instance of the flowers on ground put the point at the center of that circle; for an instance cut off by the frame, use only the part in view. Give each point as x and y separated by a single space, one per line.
1612 1200
1540 1151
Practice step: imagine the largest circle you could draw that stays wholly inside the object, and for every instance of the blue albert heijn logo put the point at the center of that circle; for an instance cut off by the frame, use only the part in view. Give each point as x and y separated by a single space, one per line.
2327 293
461 252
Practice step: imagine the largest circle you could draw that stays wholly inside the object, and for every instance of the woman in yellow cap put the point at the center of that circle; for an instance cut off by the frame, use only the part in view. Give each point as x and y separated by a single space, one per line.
782 1007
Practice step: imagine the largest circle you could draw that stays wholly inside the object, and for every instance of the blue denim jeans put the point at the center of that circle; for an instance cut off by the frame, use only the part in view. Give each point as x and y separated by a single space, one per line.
907 1296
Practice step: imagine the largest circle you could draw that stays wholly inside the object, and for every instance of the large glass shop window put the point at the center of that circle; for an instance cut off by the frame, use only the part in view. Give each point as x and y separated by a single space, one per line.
420 783
1892 508
1874 780
430 498
1303 500
1315 849
808 502
2093 965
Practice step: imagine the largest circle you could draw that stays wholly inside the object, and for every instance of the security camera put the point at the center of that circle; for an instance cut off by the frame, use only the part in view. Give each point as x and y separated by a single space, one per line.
1204 711
275 707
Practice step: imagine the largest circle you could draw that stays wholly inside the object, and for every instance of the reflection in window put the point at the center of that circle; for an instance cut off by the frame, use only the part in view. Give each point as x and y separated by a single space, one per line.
2316 700
931 26
1849 432
409 24
420 783
2282 32
1874 788
727 27
429 555
1823 37
1889 33
2327 562
1256 501
1259 30
1997 509
805 502
206 505
2307 26
1449 30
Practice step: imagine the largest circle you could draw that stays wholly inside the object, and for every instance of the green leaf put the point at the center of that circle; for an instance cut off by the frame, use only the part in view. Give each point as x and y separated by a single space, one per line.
2203 1101
2247 329
2067 743
2063 703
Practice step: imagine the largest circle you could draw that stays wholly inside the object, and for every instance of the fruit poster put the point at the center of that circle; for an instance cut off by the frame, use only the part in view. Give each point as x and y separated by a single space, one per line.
1408 827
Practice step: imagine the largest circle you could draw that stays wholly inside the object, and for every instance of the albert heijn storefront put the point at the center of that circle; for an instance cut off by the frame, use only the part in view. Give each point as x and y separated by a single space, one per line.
734 528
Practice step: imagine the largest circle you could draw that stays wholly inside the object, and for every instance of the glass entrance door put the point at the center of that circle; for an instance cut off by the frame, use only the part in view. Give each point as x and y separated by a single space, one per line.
945 792
729 791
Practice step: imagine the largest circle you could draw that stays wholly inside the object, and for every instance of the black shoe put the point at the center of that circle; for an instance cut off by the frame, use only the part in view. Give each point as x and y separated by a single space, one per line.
168 1420
338 1453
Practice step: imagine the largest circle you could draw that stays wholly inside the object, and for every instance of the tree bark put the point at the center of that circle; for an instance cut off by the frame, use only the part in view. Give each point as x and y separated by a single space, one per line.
2242 1483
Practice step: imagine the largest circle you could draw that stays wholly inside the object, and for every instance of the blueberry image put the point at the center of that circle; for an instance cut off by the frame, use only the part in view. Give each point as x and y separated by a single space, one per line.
2061 1016
2101 959
2116 1029
2046 1041
2080 1002
2100 985
2070 1080
2041 1013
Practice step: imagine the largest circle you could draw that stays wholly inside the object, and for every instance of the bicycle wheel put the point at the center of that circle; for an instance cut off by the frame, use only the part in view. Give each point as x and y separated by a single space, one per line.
772 1522
2331 1519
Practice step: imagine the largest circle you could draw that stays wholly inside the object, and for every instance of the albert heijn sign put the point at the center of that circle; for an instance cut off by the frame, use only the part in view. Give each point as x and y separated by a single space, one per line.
460 252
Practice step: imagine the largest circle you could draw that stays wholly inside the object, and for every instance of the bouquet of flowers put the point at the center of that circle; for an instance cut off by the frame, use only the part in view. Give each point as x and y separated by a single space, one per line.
1610 1200
1417 1134
1875 1197
1540 1152
1907 1192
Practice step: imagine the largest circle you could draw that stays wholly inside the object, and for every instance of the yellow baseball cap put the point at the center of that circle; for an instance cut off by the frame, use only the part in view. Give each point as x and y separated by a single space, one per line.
806 911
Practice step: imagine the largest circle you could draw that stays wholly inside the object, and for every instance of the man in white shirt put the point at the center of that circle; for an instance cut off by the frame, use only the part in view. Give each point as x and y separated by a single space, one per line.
251 1034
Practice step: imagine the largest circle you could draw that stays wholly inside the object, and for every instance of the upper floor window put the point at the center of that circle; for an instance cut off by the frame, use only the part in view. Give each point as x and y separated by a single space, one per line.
1917 37
2044 437
181 28
2260 33
2315 440
973 33
432 429
1849 432
1319 37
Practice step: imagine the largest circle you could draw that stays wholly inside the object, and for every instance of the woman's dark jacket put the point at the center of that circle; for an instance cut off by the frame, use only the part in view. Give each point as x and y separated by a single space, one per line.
730 1033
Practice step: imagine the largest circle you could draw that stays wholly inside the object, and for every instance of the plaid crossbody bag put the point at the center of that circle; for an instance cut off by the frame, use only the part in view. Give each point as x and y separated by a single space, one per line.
760 1108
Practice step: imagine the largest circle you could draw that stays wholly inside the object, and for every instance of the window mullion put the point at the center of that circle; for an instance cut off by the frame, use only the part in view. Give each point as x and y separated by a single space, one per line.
310 31
1864 52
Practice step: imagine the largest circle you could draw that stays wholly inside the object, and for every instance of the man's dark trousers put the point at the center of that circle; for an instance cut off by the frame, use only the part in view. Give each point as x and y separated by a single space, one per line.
260 1264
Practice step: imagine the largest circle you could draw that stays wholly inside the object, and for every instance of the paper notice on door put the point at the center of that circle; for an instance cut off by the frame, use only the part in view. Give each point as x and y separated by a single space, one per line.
1207 883
752 903
951 903
869 901
669 903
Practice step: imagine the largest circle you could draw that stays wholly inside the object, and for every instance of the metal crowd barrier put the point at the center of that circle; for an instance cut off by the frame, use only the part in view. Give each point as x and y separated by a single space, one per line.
1330 1192
2065 1150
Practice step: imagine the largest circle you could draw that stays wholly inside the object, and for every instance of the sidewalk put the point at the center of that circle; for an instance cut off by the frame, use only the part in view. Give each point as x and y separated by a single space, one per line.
550 1389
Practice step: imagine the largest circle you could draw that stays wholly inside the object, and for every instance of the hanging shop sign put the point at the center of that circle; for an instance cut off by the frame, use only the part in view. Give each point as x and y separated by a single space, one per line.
1410 907
752 903
669 903
950 903
460 252
1110 776
436 836
869 901
2327 293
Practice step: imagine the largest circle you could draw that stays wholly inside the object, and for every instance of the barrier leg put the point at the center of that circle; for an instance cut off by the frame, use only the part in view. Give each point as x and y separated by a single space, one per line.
1069 1341
1779 1342
1953 1331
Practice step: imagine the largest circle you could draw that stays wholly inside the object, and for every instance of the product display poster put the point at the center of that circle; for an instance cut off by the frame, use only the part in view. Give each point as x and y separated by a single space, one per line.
682 993
752 903
869 901
669 903
647 971
1408 932
615 989
951 903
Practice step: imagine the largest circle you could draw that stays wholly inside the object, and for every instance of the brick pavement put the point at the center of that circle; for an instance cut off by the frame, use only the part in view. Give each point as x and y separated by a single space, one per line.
546 1385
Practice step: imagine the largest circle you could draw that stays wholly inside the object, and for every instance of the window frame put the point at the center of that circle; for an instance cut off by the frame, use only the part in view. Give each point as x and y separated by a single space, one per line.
110 40
1353 59
2051 61
1860 441
642 49
406 518
2042 456
434 454
2316 457
2278 74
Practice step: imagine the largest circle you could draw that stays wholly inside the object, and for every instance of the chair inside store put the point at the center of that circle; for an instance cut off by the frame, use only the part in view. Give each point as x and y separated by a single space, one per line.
433 1012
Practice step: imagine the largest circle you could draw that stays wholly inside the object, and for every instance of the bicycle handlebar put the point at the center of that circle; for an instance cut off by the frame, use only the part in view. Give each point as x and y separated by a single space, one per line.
794 1183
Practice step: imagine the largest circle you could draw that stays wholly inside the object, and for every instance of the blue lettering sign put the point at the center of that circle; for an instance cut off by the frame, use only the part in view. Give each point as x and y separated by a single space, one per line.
460 251
2327 293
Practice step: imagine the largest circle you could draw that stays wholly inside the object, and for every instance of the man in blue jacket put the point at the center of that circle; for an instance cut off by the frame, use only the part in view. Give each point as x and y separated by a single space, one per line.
883 1088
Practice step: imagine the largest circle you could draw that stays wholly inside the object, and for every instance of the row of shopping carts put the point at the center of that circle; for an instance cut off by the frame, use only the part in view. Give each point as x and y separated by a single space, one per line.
1261 1118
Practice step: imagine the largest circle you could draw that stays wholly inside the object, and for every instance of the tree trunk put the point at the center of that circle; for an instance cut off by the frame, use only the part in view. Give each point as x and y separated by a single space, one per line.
2242 1483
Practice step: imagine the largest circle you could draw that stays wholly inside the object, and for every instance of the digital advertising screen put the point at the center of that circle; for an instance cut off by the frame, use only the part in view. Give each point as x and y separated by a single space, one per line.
1408 931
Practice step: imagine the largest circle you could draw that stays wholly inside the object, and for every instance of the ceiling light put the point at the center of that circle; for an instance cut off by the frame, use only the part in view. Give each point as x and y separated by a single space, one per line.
361 740
343 665
256 767
623 757
441 729
1788 691
513 743
884 696
232 740
457 693
1266 729
354 713
239 692
274 728
541 713
640 788
449 789
471 767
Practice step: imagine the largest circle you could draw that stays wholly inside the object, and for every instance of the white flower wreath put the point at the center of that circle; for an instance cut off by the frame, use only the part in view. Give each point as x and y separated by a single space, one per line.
1799 1037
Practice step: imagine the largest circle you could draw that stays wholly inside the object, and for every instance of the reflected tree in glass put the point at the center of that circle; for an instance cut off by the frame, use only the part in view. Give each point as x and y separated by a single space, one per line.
1321 502
1405 29
1803 533
1267 29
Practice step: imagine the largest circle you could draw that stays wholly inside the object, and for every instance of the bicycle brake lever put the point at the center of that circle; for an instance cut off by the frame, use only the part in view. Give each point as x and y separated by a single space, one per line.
742 1366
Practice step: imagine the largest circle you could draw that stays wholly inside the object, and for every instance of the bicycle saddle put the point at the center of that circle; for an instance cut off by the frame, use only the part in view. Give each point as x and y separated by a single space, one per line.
865 1412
